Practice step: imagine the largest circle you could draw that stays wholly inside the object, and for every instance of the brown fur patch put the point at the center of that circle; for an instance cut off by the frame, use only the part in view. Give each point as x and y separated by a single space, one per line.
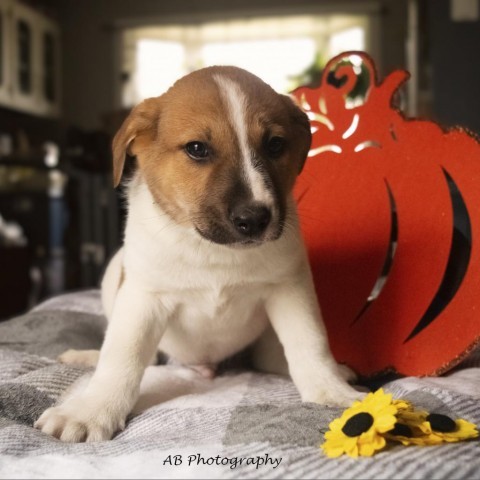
198 192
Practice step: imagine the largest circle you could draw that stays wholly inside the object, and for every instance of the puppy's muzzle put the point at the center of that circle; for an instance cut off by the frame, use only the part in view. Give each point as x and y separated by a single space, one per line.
251 220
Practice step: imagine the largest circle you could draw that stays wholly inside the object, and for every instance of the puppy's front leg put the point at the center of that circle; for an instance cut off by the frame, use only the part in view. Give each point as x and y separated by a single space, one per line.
295 316
138 320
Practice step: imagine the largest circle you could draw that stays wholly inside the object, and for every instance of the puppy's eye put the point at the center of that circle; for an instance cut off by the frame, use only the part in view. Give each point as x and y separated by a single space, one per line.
275 146
197 150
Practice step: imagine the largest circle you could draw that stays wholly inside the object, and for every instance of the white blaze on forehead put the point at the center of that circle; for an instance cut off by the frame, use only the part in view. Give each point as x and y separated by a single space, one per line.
236 102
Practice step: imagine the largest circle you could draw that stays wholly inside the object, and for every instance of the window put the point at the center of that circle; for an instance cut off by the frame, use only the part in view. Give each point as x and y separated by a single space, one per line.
284 51
274 61
344 40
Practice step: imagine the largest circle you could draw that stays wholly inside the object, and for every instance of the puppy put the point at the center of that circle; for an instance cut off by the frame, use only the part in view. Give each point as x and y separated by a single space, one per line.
212 254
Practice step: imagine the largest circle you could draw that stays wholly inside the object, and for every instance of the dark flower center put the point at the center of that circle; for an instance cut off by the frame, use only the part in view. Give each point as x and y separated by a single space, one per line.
441 423
357 424
401 430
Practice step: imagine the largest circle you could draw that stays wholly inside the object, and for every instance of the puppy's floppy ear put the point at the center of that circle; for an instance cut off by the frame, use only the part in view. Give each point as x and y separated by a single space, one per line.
302 129
142 120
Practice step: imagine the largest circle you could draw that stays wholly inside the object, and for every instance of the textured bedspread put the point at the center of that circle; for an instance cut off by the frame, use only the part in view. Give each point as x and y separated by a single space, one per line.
240 425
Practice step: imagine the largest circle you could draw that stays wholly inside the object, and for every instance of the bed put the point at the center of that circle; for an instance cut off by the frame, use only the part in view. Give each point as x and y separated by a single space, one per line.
242 424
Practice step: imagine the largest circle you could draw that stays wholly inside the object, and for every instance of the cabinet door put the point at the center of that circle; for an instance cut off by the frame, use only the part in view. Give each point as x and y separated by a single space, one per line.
5 53
26 74
49 43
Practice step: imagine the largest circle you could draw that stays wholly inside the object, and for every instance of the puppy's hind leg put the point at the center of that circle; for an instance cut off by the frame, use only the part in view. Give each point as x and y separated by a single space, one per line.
166 382
268 355
82 358
87 358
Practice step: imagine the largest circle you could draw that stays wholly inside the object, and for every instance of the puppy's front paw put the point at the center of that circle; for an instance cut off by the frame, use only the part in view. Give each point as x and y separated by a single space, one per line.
79 421
332 393
337 397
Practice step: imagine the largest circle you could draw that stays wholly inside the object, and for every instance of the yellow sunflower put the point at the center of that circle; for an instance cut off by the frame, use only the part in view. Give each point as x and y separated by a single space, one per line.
359 431
423 428
403 405
450 430
412 428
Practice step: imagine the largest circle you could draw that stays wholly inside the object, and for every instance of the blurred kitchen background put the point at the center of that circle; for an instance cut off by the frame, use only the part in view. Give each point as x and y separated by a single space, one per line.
70 70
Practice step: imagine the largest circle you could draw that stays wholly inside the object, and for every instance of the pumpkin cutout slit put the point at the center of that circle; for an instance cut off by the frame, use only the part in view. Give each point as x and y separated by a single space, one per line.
458 259
387 265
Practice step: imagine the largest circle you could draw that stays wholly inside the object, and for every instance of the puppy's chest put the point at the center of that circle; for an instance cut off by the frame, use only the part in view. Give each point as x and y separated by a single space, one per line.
216 305
209 325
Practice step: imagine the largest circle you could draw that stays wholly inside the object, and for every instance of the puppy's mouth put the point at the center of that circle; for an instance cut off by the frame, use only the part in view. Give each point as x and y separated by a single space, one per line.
222 235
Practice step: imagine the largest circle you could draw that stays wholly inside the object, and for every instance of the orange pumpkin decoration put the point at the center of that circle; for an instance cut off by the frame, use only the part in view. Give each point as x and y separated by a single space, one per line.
390 211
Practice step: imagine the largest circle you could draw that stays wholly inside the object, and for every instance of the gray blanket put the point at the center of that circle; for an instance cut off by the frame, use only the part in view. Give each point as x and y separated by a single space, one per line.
240 425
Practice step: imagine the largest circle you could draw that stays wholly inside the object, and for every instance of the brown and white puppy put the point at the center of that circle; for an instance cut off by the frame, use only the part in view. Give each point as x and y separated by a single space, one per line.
212 255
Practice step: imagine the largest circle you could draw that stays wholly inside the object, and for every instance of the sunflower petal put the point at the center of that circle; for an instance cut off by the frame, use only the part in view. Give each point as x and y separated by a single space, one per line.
385 412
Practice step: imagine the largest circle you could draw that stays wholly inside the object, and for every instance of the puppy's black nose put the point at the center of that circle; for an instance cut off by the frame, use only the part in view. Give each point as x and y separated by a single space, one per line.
251 220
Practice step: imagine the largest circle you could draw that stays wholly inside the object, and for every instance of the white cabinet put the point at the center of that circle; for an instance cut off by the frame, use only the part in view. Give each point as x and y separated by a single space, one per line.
30 61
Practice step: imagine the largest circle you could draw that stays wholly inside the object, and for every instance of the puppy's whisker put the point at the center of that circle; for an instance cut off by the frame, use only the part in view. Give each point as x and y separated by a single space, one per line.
304 216
170 225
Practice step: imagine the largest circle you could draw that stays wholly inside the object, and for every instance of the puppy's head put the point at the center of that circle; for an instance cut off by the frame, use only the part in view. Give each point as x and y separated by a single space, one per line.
220 152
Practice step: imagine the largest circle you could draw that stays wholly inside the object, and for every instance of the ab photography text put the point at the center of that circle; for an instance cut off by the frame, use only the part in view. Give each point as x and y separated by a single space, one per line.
232 462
